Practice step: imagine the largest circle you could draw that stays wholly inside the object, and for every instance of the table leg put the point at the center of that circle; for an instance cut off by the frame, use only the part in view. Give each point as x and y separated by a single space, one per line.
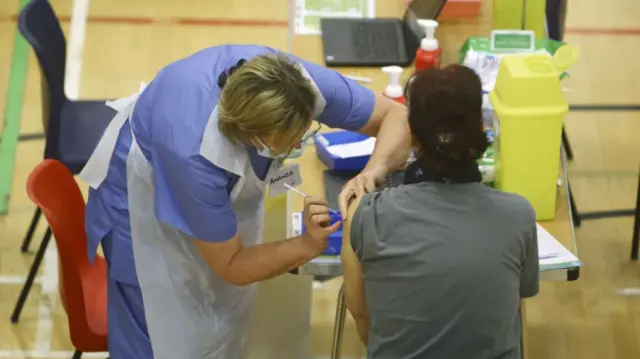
338 326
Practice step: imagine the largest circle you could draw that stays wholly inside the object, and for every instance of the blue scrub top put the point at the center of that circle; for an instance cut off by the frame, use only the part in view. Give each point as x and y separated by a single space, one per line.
191 194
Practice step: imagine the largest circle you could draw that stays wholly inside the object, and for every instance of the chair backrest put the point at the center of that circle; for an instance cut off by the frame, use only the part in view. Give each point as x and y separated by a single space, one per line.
40 27
51 187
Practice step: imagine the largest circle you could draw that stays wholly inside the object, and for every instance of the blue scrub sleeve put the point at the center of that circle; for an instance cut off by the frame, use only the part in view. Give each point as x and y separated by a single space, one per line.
194 198
191 192
349 104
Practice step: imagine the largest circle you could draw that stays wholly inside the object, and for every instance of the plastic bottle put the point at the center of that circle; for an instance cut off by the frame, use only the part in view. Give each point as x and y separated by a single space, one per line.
394 90
429 53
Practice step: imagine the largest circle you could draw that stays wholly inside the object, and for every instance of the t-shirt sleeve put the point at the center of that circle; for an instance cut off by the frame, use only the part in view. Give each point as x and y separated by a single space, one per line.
530 276
349 105
364 226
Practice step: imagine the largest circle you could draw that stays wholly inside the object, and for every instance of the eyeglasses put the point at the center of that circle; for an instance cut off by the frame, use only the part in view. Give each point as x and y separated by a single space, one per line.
310 133
307 135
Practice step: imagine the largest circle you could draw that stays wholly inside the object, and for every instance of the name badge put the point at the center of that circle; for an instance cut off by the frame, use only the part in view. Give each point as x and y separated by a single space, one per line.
289 175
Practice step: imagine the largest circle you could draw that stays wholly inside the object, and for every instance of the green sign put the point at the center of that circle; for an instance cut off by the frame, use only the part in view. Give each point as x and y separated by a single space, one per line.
513 40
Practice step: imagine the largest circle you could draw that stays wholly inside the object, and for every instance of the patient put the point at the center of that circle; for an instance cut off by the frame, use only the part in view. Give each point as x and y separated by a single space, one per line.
436 269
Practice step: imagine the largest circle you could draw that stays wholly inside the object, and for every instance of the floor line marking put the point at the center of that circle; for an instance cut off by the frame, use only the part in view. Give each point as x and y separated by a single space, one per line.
35 354
77 33
632 292
17 280
291 18
192 21
187 21
604 31
12 115
231 22
48 299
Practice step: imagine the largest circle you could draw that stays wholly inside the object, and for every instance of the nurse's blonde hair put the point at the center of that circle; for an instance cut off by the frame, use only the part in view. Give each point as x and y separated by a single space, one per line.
265 96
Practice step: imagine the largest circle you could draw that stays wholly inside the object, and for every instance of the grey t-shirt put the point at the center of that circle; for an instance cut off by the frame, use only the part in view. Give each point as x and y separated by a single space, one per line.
445 266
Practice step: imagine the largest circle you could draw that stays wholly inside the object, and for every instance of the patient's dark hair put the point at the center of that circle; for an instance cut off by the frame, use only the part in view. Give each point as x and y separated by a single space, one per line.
445 117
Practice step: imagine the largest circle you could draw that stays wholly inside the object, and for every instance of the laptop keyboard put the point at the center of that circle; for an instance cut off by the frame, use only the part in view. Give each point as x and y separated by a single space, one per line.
372 41
334 181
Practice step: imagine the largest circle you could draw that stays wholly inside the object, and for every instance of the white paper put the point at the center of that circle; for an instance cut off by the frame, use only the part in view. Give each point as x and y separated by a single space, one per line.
353 149
550 251
289 175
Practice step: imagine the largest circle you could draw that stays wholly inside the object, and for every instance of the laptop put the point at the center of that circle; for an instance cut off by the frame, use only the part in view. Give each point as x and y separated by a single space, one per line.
377 42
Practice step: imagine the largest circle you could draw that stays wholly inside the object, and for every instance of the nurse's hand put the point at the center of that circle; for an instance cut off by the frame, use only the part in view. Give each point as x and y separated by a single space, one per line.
366 181
317 224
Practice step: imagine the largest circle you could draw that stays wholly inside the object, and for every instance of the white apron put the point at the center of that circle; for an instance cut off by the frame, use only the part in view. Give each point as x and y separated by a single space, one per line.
191 313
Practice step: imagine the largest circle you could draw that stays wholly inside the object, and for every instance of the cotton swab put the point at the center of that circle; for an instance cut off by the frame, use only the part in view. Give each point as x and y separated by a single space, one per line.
333 211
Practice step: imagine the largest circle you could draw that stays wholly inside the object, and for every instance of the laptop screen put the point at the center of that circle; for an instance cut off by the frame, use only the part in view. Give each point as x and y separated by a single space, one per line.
422 9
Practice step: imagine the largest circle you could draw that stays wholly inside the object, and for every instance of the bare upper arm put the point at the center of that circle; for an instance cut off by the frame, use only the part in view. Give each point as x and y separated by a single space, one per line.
353 276
383 105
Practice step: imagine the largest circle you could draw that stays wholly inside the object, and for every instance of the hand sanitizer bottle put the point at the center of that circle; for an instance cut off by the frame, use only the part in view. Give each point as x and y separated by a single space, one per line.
394 90
429 53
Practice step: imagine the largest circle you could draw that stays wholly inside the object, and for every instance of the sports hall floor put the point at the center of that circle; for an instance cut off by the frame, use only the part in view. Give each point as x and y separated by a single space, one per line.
129 40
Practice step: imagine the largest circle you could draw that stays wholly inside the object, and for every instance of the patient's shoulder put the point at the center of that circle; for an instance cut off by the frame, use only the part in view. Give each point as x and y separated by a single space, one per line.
367 217
369 200
372 203
376 210
513 203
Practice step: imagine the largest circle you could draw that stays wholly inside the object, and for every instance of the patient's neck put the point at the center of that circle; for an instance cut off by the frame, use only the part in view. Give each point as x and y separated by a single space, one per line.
468 173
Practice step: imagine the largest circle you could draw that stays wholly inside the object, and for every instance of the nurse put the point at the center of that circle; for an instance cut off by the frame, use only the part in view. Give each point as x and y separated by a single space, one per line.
177 185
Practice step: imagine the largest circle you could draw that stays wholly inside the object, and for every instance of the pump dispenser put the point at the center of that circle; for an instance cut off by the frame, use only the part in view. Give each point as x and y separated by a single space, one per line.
429 53
394 90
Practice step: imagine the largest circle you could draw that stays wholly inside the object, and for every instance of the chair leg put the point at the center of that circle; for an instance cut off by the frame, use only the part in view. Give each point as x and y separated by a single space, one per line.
338 326
15 317
32 228
77 354
566 144
635 240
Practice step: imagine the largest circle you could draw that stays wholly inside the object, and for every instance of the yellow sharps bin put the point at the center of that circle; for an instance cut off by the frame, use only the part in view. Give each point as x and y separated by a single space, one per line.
529 109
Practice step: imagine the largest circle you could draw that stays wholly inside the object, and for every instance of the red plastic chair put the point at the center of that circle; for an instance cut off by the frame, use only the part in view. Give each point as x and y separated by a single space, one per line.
83 287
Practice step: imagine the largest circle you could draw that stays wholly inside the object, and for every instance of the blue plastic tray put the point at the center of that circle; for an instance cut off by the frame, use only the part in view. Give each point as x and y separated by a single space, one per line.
324 140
